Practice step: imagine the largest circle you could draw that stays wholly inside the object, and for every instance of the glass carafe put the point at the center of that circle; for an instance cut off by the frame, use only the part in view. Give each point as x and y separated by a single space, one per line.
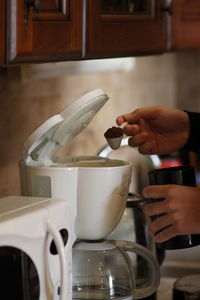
104 271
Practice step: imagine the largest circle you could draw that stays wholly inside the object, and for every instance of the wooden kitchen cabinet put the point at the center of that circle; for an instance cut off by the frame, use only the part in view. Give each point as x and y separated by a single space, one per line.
56 30
185 25
43 30
2 32
123 28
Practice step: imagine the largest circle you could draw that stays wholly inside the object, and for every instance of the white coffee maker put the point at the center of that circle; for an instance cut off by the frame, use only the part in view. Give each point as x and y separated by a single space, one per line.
95 187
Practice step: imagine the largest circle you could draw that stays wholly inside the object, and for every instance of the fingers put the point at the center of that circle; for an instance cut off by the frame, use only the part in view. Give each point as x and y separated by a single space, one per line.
141 137
156 208
164 227
179 204
166 234
140 132
137 139
157 191
132 117
143 147
131 129
161 223
136 115
147 148
120 120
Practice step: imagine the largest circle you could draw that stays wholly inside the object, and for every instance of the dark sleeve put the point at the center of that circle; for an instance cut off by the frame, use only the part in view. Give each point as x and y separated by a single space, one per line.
193 143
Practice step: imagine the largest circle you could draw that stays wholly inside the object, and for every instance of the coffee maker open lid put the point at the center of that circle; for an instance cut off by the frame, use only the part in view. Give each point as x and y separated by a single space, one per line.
60 129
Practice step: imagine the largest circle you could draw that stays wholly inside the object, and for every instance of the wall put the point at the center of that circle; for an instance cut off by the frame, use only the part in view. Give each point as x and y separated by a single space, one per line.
188 79
25 104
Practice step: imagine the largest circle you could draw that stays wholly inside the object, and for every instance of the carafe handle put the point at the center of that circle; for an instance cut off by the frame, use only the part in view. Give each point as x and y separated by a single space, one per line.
153 265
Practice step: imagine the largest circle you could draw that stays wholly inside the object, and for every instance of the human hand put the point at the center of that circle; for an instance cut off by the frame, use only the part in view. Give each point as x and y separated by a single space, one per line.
181 209
156 130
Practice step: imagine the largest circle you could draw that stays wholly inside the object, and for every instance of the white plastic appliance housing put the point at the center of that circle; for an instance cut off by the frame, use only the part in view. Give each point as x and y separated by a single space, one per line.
42 175
83 181
30 224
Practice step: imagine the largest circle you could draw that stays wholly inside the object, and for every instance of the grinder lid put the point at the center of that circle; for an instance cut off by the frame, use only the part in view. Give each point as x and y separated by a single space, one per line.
60 129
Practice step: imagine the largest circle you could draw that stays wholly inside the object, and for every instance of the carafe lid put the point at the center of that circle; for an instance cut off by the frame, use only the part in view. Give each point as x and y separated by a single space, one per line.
60 129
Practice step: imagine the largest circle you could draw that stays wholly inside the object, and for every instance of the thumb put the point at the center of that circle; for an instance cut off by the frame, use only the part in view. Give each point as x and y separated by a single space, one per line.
140 113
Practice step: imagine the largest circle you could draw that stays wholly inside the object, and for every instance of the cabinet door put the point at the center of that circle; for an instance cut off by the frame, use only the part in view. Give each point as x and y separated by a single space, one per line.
185 26
44 30
124 27
2 32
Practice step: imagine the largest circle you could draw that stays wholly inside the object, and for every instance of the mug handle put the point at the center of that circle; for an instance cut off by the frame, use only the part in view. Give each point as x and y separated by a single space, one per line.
153 264
63 264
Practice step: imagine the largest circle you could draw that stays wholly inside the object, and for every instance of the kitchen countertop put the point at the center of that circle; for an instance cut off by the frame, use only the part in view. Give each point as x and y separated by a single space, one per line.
165 288
170 272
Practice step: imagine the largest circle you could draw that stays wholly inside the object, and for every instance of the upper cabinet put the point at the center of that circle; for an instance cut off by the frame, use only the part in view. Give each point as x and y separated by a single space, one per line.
41 30
121 28
185 24
56 30
2 32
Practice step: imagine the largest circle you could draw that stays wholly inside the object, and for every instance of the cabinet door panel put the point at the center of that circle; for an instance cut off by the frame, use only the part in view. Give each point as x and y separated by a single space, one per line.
44 30
51 5
2 32
185 28
125 7
126 27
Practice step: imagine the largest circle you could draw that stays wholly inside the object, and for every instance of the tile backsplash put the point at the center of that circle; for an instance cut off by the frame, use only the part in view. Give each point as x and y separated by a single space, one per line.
169 80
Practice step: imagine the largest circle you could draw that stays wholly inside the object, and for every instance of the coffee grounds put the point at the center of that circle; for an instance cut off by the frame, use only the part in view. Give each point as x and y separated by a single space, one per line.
114 132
